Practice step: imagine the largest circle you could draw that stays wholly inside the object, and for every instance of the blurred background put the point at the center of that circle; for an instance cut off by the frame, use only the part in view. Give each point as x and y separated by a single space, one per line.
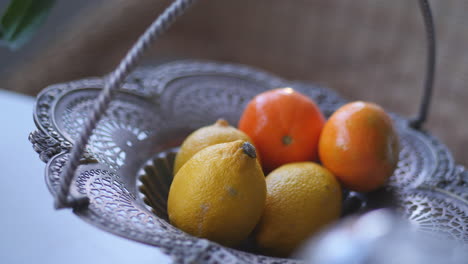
365 49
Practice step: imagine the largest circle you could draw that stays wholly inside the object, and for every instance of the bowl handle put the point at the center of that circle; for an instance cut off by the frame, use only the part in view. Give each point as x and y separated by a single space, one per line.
157 28
426 12
112 82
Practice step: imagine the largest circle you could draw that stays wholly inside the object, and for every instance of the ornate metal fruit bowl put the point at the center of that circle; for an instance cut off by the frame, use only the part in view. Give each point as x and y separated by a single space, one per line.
128 158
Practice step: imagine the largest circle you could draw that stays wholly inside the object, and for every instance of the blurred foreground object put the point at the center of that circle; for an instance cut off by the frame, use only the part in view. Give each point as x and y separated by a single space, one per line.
381 237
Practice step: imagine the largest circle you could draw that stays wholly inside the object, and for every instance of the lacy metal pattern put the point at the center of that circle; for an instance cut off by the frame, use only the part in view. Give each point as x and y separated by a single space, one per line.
129 158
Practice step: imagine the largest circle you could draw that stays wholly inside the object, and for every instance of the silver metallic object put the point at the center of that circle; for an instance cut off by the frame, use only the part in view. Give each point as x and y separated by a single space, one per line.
381 237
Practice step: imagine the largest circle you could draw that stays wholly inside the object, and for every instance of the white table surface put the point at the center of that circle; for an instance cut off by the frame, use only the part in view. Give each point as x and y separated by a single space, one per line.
31 231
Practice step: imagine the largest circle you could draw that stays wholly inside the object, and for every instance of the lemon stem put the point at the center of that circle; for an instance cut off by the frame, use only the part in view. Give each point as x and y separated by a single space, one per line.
222 122
249 149
287 140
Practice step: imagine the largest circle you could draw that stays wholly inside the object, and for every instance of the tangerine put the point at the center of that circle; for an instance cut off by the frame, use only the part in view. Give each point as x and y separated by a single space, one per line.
284 125
359 145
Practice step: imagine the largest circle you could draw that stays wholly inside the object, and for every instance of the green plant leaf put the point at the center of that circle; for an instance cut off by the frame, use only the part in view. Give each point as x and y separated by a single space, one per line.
21 20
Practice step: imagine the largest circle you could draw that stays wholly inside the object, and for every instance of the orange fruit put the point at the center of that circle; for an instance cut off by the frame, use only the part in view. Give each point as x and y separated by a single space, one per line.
359 145
284 125
302 198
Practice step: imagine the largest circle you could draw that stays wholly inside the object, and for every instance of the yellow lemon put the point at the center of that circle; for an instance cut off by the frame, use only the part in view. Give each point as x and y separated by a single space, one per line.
301 199
219 194
219 132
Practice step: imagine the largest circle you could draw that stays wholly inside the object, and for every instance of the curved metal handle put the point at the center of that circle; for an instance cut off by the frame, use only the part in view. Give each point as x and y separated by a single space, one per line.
112 83
115 79
426 12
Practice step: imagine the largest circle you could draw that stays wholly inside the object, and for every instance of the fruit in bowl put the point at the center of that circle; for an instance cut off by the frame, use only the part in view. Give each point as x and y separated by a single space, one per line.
220 192
219 132
302 198
284 125
360 146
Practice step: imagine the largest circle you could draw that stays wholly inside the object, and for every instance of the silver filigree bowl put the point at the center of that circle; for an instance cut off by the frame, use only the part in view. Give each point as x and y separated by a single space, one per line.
126 172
